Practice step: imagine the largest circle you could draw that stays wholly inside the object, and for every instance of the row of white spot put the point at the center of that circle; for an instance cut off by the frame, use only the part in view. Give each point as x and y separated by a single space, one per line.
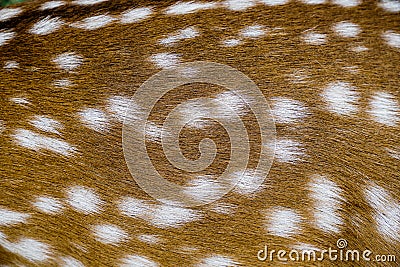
254 31
186 33
239 5
166 60
48 25
284 110
211 261
37 141
343 29
325 193
349 30
68 61
328 200
192 6
36 251
280 221
342 98
87 201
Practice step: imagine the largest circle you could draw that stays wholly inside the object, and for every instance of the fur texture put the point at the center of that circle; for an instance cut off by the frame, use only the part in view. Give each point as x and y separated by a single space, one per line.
328 69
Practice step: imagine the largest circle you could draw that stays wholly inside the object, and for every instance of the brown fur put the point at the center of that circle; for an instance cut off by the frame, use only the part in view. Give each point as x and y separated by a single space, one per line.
349 150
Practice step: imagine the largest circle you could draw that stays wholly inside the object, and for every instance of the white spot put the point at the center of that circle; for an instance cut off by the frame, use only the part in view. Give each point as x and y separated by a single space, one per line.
287 110
62 83
31 140
231 42
149 239
118 106
193 115
359 49
2 127
30 249
239 5
288 151
218 261
223 208
20 100
154 132
163 216
8 13
384 109
9 217
274 2
235 102
204 189
68 61
166 216
327 200
109 234
249 182
11 65
314 38
93 23
71 262
51 5
182 8
138 261
187 249
346 29
136 14
341 98
253 31
313 2
166 60
386 212
186 33
84 200
46 124
283 222
135 208
46 26
48 205
391 38
5 36
87 2
390 5
394 153
346 3
94 119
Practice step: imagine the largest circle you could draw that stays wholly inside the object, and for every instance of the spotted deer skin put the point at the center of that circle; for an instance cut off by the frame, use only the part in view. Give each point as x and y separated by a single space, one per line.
70 77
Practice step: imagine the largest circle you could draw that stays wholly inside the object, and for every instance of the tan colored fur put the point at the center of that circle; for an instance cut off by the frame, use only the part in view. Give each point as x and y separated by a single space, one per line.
354 151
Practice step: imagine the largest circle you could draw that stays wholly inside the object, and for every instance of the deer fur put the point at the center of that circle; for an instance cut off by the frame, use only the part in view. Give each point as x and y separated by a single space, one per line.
329 71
